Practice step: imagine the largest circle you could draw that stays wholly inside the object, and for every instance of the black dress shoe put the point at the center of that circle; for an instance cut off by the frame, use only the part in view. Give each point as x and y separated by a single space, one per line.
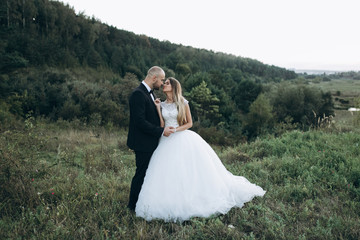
132 209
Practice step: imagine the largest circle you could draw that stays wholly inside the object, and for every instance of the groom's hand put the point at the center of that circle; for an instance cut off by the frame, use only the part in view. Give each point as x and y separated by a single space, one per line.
168 131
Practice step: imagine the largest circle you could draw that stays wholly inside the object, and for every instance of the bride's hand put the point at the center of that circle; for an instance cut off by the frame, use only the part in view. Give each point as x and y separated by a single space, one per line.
157 102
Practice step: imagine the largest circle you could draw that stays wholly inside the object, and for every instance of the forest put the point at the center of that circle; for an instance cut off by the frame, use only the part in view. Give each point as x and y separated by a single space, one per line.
61 65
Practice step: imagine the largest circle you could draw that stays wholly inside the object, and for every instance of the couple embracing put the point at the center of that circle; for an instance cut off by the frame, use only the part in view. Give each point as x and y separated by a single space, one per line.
178 175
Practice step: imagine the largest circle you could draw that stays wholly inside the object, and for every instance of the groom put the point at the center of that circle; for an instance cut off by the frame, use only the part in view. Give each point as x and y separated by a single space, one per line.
144 128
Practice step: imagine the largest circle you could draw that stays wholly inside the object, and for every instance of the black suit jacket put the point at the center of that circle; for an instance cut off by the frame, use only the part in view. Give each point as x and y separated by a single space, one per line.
144 128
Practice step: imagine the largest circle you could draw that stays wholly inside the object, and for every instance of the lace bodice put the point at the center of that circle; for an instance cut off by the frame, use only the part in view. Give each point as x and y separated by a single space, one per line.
169 112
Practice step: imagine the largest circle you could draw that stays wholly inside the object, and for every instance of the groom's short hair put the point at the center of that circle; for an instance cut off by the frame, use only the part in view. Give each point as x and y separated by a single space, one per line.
155 71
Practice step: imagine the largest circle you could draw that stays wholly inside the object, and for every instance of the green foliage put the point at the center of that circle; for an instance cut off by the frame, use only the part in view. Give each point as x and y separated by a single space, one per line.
20 104
62 94
60 180
6 117
182 68
346 75
11 61
214 135
17 169
204 103
63 65
260 118
357 114
70 110
56 36
245 94
304 105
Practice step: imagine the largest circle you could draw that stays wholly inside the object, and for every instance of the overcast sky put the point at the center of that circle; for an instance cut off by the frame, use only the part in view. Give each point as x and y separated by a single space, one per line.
294 34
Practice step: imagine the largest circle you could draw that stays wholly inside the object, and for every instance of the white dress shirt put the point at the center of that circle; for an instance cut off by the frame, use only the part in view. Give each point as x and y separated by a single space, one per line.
149 89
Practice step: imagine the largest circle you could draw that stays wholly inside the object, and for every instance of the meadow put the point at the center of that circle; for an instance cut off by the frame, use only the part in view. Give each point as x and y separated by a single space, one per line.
344 91
349 87
65 180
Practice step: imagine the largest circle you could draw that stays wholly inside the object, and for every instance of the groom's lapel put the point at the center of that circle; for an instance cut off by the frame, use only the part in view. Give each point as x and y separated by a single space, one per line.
154 95
143 88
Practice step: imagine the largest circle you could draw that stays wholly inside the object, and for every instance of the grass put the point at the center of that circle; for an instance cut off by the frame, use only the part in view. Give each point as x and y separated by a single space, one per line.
344 91
60 181
344 120
348 87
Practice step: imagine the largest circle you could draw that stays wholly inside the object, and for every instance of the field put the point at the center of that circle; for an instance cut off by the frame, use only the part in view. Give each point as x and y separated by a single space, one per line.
64 180
348 87
70 182
344 91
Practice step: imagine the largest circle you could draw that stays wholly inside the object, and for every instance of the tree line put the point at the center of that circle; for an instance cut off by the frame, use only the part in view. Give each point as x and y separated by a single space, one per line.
62 65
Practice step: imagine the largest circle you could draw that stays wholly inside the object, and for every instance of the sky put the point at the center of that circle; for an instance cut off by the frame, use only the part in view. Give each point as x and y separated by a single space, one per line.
293 34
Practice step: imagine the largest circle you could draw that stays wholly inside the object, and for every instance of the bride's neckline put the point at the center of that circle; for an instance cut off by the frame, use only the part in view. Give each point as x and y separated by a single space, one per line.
167 102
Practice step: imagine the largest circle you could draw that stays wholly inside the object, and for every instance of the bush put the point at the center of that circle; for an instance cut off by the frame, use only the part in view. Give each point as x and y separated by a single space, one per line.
11 61
245 94
70 110
260 118
6 118
302 104
213 135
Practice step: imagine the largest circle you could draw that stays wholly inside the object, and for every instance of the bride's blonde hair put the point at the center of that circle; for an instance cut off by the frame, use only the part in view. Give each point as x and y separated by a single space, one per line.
178 100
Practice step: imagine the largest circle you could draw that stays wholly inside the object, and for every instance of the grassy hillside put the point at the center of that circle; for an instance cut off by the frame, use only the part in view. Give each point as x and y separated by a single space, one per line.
66 181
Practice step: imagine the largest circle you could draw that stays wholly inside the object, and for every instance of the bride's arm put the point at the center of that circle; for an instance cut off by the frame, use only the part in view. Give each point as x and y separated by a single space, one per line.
162 123
158 108
188 118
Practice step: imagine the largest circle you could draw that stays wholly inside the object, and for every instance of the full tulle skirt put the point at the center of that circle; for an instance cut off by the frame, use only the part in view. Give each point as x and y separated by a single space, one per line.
186 178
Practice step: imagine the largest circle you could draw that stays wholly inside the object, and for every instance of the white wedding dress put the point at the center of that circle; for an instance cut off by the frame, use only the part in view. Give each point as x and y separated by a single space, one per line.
186 178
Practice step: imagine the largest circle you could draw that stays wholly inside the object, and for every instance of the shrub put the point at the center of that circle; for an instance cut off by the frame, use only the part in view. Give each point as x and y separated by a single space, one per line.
246 92
11 61
234 156
260 118
300 102
70 110
6 118
214 135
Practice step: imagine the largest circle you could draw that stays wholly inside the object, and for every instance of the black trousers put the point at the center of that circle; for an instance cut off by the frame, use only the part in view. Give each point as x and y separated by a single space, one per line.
142 163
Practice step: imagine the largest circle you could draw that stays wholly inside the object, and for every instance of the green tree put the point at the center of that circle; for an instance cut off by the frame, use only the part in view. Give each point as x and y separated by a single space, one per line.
301 103
117 60
93 59
260 118
205 104
12 61
183 69
245 93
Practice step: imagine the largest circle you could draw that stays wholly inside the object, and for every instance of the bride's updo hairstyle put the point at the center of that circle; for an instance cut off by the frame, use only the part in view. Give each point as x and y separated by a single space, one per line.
179 100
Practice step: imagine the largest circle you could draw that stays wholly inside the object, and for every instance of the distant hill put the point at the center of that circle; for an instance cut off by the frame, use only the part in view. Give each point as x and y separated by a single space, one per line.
315 72
35 33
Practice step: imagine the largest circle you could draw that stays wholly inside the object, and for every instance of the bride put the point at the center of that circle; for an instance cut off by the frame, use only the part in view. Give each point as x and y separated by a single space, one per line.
185 177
